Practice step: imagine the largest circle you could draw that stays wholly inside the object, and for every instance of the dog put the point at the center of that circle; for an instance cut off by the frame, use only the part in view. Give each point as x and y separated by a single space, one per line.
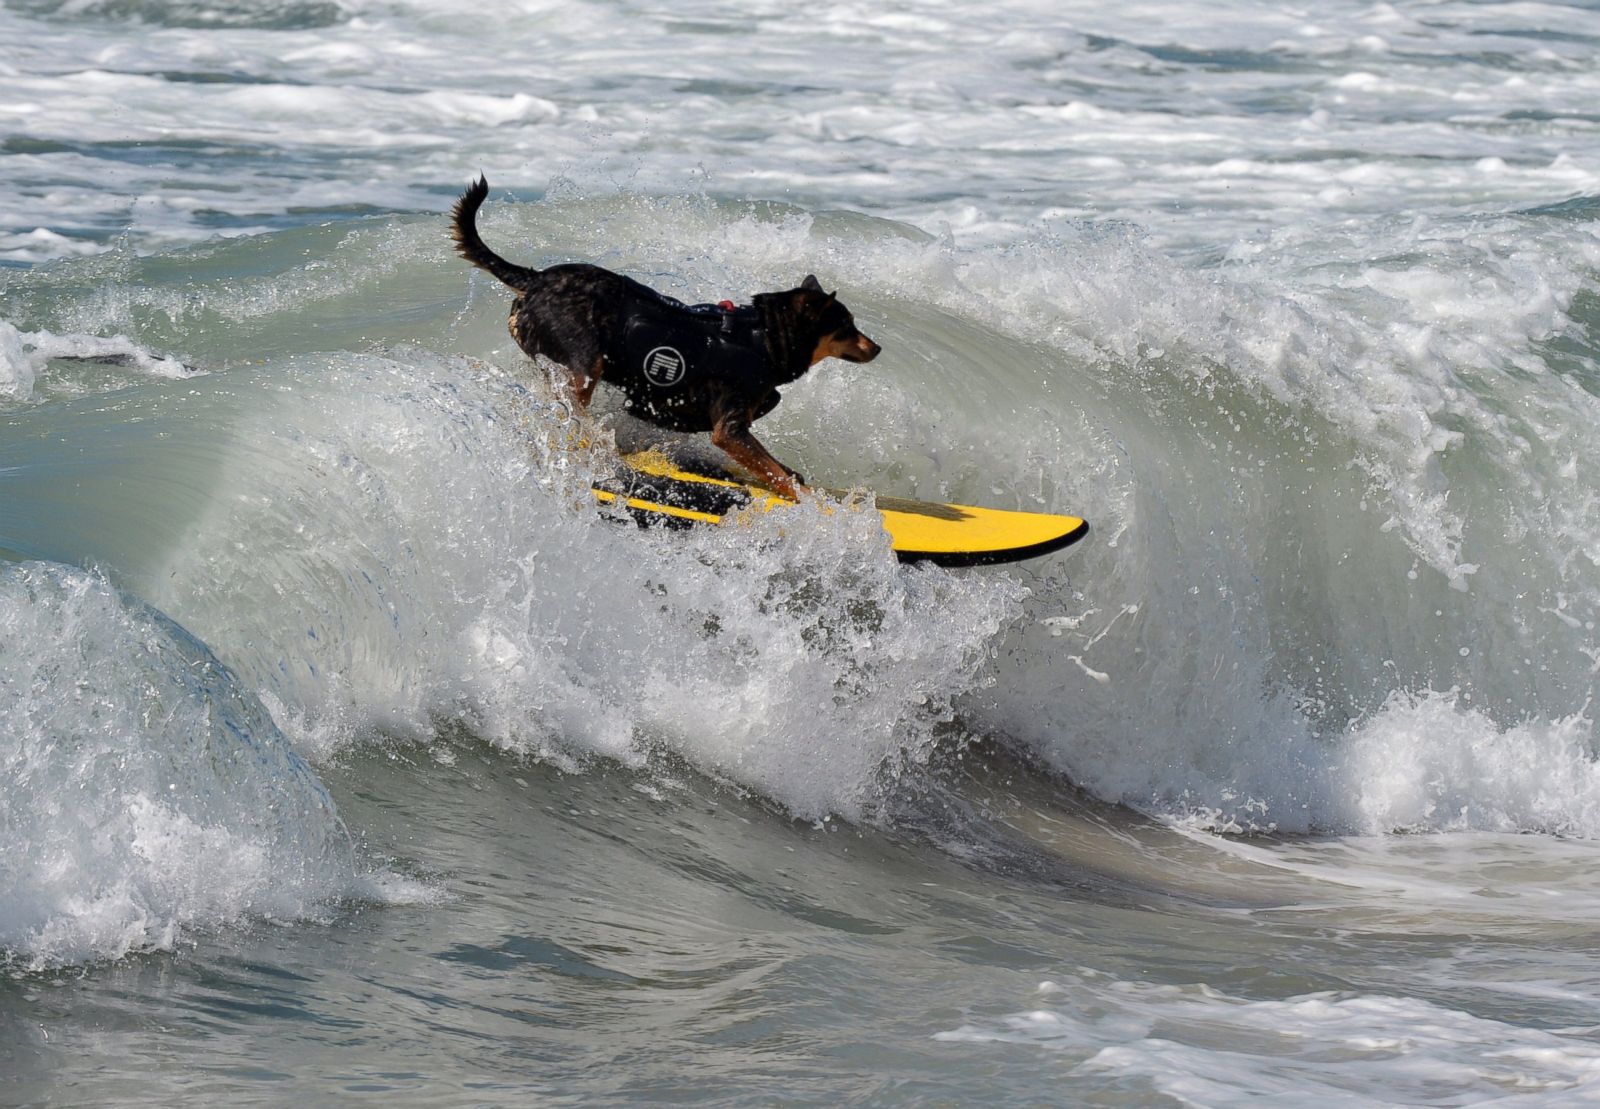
706 367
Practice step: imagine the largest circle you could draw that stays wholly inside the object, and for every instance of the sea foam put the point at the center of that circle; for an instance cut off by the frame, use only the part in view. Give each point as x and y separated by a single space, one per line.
145 793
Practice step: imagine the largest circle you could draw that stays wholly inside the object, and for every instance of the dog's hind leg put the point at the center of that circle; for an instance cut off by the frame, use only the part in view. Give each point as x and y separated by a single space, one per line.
583 385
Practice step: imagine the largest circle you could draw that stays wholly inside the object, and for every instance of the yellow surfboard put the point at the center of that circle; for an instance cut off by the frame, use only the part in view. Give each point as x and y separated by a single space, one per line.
654 490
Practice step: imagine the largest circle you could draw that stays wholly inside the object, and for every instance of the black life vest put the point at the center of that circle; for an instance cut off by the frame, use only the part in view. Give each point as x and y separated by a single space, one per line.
678 364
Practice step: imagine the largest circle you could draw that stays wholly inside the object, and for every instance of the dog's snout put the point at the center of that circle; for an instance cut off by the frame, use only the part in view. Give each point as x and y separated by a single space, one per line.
867 348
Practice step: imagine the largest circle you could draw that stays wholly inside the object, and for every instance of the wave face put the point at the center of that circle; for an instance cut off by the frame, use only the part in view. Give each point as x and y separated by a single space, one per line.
1342 518
448 567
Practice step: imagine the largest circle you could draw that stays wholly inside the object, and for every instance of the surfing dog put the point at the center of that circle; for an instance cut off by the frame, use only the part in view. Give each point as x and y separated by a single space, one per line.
707 367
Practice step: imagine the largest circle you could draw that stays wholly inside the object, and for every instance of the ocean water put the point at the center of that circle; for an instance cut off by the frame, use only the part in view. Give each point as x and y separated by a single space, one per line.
349 755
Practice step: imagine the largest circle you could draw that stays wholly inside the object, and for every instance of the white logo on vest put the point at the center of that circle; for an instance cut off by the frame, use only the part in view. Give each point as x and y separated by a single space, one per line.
664 367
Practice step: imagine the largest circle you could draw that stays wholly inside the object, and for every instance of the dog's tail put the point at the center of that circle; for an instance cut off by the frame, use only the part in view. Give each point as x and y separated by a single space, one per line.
464 229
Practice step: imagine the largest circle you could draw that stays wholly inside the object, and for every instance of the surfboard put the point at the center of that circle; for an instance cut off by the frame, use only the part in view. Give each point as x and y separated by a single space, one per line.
654 490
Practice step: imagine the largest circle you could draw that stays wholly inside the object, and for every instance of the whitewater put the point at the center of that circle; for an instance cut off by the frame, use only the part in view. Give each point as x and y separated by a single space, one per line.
349 753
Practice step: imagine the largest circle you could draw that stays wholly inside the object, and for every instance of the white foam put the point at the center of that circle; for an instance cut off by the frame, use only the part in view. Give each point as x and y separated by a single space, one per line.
1432 763
41 245
24 355
1199 1045
452 566
1189 126
145 794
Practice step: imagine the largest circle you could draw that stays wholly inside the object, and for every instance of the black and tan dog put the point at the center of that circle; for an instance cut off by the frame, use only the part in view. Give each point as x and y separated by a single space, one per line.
710 367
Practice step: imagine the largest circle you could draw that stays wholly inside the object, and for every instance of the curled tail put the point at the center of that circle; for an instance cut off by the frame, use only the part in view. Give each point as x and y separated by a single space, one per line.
464 229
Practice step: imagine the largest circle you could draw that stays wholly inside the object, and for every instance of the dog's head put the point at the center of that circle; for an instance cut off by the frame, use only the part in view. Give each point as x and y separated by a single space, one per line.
831 324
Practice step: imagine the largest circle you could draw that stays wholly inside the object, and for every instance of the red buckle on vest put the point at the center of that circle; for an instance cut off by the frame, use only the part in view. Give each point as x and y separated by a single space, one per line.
726 305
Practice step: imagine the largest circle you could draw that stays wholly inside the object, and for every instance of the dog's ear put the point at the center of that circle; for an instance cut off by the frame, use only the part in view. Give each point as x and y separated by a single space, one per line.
812 304
811 283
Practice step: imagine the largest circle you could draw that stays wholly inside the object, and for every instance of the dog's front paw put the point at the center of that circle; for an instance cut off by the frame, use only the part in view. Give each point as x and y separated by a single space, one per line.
792 487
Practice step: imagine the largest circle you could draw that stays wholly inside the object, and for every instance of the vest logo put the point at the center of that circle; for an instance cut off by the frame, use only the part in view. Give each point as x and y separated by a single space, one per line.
664 367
